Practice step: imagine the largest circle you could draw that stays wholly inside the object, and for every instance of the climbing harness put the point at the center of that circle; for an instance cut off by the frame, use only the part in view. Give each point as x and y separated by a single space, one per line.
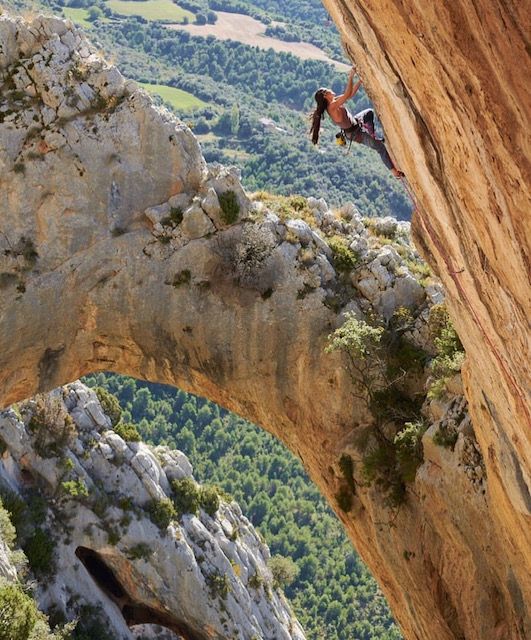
341 138
352 134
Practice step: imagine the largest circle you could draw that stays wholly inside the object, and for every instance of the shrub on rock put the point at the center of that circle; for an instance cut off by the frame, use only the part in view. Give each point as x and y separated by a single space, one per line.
110 405
209 500
344 258
161 512
127 432
230 207
40 551
186 496
18 613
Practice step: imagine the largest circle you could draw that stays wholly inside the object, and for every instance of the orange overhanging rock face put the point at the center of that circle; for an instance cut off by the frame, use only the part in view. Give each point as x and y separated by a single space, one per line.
450 82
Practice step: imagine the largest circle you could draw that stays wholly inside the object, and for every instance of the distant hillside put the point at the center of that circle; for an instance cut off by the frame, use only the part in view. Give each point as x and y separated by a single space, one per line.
232 77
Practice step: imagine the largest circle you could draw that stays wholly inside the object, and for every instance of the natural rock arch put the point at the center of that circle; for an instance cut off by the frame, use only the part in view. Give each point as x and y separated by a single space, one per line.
92 283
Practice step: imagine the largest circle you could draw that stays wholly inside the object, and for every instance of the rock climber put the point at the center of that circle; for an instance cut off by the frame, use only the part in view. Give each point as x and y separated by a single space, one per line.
358 128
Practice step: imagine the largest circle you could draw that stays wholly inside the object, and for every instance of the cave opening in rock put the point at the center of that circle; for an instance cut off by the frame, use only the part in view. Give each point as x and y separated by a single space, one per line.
101 574
134 613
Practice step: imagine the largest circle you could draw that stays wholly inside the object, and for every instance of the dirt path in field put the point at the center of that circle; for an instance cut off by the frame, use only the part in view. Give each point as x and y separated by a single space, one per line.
235 26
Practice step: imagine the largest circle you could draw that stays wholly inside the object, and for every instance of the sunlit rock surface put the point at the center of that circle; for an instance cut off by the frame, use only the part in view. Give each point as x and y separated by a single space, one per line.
449 81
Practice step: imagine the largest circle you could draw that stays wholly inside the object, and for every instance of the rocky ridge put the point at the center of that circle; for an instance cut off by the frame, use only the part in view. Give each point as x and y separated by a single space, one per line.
201 576
185 280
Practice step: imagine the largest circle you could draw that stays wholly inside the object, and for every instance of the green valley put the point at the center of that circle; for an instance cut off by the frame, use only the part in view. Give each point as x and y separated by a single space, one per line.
150 9
259 84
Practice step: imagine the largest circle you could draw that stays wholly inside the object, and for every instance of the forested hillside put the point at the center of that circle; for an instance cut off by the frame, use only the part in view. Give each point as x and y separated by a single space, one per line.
256 101
333 594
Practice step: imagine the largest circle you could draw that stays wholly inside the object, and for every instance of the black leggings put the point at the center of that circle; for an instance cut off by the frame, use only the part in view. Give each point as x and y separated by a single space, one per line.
365 136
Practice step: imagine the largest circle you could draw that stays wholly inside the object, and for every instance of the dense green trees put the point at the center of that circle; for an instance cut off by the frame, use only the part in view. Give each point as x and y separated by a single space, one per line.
265 74
332 593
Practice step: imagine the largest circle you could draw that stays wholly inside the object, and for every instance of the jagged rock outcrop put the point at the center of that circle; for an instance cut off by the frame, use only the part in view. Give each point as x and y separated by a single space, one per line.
132 256
201 576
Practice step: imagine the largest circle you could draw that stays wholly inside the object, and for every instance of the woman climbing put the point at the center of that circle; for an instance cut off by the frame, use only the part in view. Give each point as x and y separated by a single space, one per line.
358 128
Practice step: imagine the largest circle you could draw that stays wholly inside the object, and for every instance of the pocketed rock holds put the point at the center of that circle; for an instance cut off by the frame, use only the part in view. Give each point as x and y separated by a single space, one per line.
171 571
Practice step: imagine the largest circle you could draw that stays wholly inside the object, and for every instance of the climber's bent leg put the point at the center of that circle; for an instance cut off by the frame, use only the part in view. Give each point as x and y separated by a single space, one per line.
367 117
377 145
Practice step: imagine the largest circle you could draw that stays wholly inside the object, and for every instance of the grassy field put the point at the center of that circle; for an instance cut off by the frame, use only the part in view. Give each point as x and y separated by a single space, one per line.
150 9
78 16
178 98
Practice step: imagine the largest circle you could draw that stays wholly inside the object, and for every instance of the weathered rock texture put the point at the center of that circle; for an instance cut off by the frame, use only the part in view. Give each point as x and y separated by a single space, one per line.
201 576
456 114
158 285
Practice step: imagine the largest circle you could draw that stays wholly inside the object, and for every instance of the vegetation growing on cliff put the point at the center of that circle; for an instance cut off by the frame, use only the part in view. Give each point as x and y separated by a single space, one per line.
380 362
450 352
223 75
21 620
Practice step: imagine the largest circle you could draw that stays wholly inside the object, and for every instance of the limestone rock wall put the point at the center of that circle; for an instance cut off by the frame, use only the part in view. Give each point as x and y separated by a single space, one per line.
202 576
448 80
238 308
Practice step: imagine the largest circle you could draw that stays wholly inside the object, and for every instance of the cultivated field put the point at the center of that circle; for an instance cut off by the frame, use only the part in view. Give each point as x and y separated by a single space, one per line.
150 9
178 98
78 16
235 26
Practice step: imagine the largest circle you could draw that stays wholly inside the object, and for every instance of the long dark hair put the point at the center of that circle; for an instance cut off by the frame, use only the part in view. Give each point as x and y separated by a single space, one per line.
317 114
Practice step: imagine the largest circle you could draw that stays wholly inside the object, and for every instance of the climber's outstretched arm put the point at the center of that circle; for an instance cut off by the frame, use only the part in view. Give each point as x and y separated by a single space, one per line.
350 90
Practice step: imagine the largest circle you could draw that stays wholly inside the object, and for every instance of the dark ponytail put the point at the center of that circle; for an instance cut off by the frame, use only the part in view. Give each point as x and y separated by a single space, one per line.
317 115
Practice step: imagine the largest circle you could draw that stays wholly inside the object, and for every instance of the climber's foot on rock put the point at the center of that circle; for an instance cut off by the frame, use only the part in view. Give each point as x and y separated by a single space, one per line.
397 173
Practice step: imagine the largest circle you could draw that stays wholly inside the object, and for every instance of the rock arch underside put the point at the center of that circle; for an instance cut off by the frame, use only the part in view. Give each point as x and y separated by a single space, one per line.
95 277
